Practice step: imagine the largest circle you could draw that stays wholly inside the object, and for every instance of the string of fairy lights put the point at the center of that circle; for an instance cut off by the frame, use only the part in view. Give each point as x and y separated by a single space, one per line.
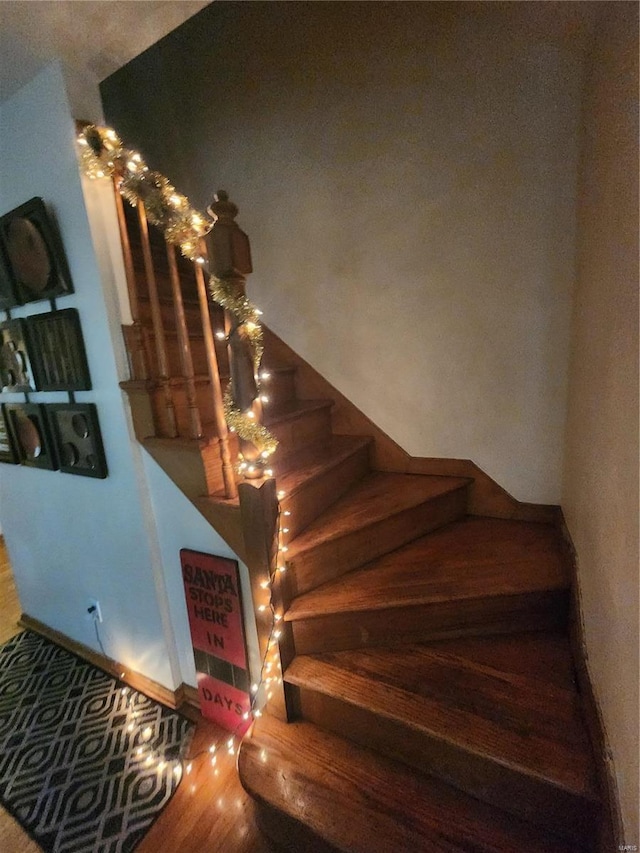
102 155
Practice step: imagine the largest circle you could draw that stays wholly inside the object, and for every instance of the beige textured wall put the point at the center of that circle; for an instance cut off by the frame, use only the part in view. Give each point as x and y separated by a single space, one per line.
600 495
407 175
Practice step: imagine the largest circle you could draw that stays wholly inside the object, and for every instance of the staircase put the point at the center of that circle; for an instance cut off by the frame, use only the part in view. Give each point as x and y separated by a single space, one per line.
429 695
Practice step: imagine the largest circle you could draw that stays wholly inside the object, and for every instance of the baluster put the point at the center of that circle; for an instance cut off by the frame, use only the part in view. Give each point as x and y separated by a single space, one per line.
230 260
195 424
231 490
169 428
140 356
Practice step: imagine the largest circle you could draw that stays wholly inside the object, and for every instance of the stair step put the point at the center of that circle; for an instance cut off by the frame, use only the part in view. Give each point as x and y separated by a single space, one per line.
478 575
381 513
318 476
321 792
537 656
298 424
513 741
279 387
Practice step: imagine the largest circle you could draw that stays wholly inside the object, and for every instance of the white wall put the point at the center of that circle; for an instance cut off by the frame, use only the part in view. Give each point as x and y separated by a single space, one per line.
71 538
406 173
600 495
180 525
74 538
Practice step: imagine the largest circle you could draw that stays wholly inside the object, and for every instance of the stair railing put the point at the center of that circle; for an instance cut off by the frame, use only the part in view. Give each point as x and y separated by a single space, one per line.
228 262
226 255
140 360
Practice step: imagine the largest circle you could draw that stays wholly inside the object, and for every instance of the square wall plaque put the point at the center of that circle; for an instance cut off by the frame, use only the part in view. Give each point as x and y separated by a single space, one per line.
29 431
15 365
33 253
76 436
57 351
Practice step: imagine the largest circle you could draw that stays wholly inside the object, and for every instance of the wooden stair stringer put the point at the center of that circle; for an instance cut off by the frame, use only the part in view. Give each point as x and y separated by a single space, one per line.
486 498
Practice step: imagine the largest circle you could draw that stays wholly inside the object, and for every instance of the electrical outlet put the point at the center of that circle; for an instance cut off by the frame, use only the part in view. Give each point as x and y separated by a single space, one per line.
94 610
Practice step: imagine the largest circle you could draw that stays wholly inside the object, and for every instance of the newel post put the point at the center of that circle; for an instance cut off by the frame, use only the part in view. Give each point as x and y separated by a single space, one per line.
260 511
230 262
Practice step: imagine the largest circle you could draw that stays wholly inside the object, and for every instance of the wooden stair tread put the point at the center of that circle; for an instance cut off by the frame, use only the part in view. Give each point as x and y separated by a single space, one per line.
375 498
361 802
316 460
475 557
197 445
538 656
528 726
275 368
294 409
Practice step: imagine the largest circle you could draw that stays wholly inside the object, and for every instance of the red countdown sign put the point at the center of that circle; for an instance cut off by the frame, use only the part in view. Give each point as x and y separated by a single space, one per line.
224 704
212 590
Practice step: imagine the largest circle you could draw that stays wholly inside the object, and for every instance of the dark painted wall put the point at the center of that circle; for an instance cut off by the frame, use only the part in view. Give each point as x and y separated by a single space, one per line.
407 175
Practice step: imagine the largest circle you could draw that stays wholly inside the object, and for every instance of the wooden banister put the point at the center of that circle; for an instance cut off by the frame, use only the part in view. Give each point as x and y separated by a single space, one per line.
184 344
230 262
169 426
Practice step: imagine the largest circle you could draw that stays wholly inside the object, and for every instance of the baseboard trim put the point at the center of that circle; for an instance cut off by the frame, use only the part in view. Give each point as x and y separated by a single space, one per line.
188 696
486 497
135 680
611 829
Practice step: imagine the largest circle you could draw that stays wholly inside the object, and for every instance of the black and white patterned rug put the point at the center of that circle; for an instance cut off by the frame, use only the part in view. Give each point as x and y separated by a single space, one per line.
86 764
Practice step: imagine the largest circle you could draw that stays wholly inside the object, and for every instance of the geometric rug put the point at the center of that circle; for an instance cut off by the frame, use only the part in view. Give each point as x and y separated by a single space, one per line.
86 764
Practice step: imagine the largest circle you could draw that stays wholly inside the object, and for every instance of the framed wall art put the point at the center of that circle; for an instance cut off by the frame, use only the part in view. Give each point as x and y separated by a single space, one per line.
57 351
33 254
7 451
75 431
29 431
15 365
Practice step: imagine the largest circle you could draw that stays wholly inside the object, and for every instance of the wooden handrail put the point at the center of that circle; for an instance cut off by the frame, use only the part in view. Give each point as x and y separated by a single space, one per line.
228 474
186 359
169 427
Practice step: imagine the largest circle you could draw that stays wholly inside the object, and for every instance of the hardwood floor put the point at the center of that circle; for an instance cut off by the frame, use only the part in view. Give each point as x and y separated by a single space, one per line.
9 603
210 810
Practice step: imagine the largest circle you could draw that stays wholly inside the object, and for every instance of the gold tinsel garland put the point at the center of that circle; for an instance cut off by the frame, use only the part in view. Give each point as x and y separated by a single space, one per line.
102 155
247 428
227 295
248 315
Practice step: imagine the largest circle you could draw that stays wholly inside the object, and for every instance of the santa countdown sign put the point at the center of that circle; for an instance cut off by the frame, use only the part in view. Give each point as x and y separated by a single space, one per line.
212 590
223 703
